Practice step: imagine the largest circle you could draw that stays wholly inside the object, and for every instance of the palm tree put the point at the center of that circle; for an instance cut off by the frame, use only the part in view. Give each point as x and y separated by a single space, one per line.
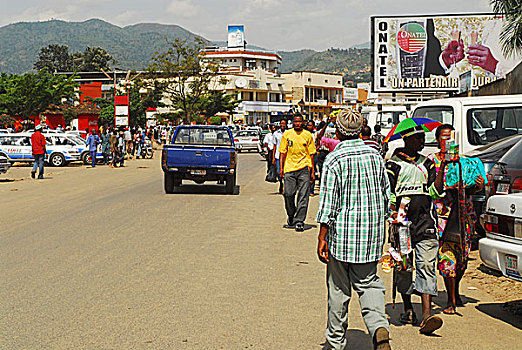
511 35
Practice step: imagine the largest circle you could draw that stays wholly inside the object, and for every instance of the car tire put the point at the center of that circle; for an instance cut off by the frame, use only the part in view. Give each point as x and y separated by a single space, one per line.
231 184
57 160
85 158
169 182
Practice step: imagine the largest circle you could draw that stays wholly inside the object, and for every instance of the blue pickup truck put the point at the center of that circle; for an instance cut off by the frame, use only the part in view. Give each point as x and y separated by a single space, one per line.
200 153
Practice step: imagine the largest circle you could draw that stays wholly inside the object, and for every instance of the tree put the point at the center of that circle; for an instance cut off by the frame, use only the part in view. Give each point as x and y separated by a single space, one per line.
185 76
511 35
217 101
55 58
215 120
93 59
33 93
139 101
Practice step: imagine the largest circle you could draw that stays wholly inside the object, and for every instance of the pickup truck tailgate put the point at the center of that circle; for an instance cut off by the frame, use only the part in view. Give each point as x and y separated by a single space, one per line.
198 156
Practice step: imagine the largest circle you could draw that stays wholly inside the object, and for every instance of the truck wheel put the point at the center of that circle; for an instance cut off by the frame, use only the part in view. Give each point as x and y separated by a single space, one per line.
231 183
169 182
57 160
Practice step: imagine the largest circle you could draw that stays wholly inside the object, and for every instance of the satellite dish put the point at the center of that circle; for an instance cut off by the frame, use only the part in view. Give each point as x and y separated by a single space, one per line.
241 83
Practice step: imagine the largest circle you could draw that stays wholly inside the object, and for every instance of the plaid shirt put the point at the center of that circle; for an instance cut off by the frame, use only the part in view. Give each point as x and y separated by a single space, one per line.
355 196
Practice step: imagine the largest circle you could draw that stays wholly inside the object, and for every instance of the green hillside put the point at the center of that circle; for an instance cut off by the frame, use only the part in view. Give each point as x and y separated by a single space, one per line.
133 46
353 63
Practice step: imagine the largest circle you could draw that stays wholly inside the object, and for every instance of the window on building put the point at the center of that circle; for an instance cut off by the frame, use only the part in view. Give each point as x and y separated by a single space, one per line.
250 64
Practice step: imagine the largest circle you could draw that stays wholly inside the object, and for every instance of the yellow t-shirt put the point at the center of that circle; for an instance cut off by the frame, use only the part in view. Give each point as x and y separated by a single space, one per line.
299 147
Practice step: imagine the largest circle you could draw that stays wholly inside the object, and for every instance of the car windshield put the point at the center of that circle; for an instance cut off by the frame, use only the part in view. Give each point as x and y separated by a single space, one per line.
203 136
486 125
443 114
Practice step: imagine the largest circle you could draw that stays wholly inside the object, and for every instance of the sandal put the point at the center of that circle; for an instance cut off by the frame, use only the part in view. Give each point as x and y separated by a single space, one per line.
430 324
408 317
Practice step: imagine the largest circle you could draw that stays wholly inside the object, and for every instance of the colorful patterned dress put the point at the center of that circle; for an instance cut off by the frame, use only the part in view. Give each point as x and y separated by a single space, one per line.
452 257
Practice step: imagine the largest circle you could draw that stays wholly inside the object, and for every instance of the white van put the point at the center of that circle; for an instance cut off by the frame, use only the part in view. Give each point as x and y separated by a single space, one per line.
17 148
477 120
387 116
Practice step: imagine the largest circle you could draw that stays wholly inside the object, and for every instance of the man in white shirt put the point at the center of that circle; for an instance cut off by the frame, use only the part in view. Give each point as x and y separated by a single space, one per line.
276 142
267 143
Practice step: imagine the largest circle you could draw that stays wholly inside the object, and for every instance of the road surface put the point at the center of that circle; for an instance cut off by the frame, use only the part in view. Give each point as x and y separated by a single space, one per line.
103 259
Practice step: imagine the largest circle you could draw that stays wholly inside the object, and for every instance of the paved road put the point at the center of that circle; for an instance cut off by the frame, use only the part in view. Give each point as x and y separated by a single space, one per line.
103 259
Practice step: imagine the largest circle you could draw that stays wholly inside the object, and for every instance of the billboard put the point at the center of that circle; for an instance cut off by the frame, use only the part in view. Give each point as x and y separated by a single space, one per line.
236 36
437 53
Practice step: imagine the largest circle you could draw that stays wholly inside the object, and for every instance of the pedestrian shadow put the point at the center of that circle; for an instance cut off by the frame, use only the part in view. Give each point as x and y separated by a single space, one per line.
441 301
7 180
394 314
204 189
502 312
355 340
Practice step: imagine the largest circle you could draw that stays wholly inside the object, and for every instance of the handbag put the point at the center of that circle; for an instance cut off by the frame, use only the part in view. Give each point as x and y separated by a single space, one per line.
452 230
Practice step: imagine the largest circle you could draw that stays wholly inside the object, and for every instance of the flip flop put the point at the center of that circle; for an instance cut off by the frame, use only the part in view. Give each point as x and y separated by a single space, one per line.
430 325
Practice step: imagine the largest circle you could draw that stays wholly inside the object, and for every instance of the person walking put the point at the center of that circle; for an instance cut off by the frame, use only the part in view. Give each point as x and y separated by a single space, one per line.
296 163
310 125
106 146
93 140
114 148
121 149
379 138
366 136
128 139
276 142
414 178
456 253
39 150
269 146
354 190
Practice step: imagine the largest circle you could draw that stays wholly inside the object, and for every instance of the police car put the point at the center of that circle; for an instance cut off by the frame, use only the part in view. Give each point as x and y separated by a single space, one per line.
16 147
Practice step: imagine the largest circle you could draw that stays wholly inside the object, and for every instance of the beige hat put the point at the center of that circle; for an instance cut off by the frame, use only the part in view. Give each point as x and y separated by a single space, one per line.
349 122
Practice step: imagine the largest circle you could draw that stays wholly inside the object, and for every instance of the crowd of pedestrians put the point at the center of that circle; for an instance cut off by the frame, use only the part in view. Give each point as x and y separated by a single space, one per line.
361 195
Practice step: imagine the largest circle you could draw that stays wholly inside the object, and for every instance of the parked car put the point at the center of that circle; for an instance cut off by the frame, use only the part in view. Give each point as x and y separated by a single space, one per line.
489 155
5 164
247 140
501 249
17 148
506 176
200 153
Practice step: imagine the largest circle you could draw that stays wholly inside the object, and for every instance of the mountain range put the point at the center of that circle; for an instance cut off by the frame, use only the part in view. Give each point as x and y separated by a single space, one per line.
133 46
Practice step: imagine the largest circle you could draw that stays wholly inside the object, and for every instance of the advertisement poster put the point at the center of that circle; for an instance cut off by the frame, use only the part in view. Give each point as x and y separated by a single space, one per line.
437 53
236 36
121 110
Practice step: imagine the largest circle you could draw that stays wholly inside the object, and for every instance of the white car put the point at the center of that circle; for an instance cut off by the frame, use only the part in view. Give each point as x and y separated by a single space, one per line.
17 148
501 249
246 140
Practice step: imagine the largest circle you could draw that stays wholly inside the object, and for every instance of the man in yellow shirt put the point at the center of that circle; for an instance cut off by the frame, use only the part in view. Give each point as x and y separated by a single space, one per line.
296 163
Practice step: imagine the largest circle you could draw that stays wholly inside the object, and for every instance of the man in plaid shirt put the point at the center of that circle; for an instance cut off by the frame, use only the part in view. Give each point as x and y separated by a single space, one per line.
354 202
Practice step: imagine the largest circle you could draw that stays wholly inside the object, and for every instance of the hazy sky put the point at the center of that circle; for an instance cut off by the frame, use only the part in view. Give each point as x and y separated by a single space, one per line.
274 24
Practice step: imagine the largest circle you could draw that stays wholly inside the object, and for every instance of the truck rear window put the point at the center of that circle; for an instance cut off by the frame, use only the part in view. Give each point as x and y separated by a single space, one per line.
202 136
